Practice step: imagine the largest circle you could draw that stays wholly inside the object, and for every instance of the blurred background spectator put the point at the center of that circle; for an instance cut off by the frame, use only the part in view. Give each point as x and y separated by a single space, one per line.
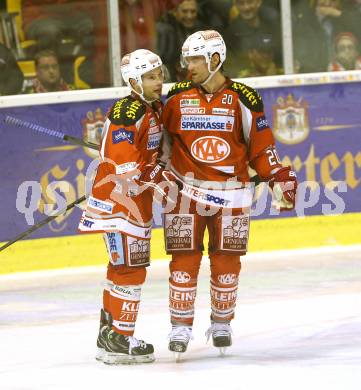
138 20
214 14
260 51
316 23
72 29
63 26
48 77
347 56
172 31
77 32
11 77
249 19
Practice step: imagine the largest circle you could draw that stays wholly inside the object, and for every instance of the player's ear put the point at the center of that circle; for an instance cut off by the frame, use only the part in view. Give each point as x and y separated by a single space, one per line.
133 83
215 61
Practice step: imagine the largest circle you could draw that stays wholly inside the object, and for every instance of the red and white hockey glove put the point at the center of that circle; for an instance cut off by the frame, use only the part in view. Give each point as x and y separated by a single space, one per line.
152 173
284 186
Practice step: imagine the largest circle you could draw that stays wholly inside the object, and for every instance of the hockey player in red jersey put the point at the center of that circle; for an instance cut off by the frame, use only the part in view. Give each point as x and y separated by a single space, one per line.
121 208
214 129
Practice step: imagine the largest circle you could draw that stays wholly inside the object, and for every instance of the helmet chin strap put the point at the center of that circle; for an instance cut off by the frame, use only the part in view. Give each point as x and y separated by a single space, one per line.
211 73
141 95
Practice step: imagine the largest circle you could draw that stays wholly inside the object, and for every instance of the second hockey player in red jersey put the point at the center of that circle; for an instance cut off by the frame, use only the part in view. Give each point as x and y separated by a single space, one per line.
121 208
214 129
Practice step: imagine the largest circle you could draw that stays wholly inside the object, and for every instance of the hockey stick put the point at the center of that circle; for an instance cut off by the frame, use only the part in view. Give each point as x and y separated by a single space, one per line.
10 120
42 223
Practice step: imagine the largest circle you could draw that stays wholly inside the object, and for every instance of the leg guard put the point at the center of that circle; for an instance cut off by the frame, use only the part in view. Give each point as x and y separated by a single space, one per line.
184 270
124 306
124 296
225 270
106 293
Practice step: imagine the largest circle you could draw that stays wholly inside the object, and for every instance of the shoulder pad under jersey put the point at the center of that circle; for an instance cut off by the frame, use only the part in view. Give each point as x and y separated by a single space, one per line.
180 87
248 96
127 111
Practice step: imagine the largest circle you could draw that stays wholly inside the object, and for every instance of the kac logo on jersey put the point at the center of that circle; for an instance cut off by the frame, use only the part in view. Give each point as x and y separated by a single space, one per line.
261 123
122 135
210 149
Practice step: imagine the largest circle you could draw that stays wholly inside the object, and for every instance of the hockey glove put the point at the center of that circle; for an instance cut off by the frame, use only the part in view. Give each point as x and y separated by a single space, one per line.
152 173
284 186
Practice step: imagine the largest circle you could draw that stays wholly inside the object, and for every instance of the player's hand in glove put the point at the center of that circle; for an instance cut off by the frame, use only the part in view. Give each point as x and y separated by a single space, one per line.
152 173
284 186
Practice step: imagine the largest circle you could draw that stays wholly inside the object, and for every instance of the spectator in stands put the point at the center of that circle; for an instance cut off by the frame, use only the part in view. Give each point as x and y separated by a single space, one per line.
11 77
48 77
50 22
214 14
138 20
347 56
261 56
316 23
71 28
250 20
172 31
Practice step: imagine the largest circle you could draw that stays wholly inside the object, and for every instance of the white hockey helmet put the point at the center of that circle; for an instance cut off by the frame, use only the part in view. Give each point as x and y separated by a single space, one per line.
136 63
205 43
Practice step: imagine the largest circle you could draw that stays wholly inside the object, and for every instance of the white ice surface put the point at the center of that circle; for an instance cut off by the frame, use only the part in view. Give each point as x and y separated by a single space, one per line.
297 326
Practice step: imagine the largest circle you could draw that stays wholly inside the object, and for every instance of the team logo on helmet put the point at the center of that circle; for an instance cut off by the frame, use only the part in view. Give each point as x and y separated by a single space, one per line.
210 34
210 149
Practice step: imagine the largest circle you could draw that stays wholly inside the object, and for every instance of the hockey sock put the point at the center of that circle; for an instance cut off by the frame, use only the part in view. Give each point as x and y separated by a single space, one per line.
124 304
223 300
181 302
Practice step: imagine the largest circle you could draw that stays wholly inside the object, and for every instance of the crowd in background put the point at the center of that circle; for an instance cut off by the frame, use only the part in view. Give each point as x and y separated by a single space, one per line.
66 41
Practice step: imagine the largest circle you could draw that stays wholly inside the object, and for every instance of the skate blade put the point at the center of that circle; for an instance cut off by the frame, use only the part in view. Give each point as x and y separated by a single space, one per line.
222 351
178 356
100 354
117 358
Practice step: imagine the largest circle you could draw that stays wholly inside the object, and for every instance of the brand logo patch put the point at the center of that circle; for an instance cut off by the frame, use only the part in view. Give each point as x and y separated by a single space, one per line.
126 167
189 102
207 122
222 111
100 205
154 129
235 233
193 110
154 141
181 276
261 123
227 278
122 135
179 231
210 149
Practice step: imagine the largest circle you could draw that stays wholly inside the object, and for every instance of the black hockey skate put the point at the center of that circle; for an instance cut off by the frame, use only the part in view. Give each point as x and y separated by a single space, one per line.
104 328
122 349
221 335
178 340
